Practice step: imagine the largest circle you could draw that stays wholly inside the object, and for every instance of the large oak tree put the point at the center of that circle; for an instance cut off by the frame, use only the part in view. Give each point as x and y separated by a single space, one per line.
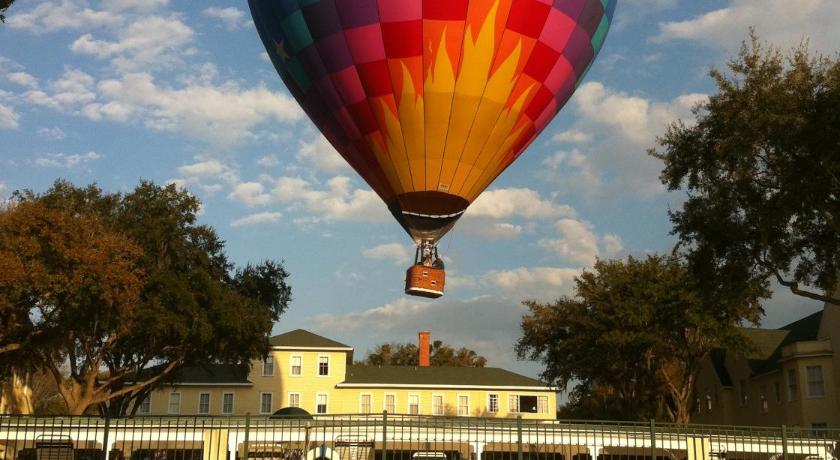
190 305
633 337
761 168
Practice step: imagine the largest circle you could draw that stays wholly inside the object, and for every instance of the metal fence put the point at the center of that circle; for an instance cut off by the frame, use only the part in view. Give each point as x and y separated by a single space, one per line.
398 437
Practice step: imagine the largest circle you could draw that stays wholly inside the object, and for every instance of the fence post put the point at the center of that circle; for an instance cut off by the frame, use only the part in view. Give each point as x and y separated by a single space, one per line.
384 435
105 448
784 443
246 444
652 439
519 454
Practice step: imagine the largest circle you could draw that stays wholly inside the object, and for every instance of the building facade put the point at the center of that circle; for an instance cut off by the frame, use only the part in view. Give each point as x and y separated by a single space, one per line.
790 377
315 373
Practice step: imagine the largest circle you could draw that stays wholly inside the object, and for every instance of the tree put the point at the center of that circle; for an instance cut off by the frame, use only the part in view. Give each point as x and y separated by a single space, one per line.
53 266
4 5
406 354
635 337
192 307
761 168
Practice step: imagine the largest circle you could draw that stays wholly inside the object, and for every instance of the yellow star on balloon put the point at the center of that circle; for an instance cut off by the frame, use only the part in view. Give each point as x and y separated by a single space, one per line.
281 51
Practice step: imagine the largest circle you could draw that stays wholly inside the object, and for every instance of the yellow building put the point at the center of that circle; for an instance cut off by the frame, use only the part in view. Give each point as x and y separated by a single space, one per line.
791 377
315 373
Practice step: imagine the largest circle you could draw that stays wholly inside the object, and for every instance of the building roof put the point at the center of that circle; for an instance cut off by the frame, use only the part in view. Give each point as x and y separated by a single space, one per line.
300 338
211 374
360 375
768 344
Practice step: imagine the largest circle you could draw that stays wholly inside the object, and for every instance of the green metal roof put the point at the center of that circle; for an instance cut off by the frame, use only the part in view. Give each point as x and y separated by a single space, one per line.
213 374
304 339
461 376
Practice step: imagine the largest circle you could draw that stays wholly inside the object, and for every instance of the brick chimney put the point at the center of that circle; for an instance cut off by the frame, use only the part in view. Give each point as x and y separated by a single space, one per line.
423 347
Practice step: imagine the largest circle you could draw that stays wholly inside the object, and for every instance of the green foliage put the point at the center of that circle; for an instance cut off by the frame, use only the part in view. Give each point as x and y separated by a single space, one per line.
192 306
761 168
406 354
633 338
4 5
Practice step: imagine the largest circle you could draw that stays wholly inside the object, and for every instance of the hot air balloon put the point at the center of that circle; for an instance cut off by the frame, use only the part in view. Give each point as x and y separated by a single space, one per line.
430 100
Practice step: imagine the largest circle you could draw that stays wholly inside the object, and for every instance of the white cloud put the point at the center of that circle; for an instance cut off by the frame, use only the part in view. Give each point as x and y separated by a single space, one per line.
781 22
140 5
52 16
269 161
250 194
620 128
576 241
203 169
2 188
396 253
257 218
69 93
23 79
55 133
8 117
147 43
522 202
64 161
489 230
320 154
572 136
613 245
540 283
232 18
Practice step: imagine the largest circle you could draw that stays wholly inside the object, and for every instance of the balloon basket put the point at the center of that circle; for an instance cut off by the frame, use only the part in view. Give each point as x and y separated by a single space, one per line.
423 281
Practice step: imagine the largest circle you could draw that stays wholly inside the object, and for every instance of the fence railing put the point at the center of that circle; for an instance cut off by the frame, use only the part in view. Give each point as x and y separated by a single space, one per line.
398 437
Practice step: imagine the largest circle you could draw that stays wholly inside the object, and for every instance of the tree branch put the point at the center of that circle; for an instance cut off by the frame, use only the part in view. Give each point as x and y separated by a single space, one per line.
794 288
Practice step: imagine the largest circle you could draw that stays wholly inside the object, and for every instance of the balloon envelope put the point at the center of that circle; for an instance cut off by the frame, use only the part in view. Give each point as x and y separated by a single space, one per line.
430 100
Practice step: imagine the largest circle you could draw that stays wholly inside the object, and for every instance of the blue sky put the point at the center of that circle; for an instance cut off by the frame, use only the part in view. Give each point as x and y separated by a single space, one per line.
115 91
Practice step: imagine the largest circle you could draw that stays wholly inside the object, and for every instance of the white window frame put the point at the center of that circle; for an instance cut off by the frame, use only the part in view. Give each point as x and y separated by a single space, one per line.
270 373
147 402
292 366
513 408
408 403
545 399
198 407
442 404
169 403
271 402
792 386
232 403
490 405
469 406
370 403
385 402
289 398
708 403
326 403
319 366
808 382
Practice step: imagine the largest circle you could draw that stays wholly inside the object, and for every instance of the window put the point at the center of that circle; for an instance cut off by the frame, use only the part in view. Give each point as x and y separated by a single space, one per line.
742 392
204 403
294 399
697 405
793 391
265 403
365 404
542 404
777 390
321 403
414 404
819 429
390 403
513 403
323 365
437 405
816 385
463 405
526 404
763 398
297 365
227 403
708 403
145 406
268 366
174 403
493 403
